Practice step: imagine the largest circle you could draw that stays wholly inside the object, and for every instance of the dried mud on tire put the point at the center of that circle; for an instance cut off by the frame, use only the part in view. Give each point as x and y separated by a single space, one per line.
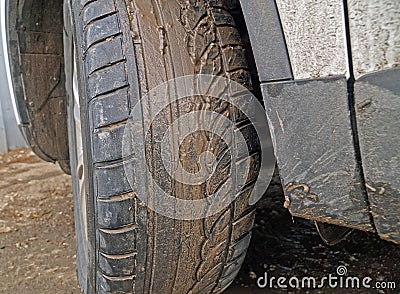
129 246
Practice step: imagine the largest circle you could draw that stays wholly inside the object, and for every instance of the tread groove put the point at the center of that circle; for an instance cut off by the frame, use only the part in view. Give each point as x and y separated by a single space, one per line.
112 126
106 93
118 256
106 66
121 230
100 41
92 21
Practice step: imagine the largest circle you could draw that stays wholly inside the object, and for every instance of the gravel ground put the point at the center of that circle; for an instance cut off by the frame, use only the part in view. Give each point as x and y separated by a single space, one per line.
37 243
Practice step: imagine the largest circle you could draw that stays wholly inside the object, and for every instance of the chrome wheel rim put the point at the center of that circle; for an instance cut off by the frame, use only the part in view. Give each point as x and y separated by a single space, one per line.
80 170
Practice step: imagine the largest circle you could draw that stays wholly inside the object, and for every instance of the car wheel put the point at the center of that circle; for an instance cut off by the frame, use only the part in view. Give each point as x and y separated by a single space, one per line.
117 51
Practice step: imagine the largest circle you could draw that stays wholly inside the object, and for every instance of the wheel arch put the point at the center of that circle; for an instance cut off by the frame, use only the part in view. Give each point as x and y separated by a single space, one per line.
34 33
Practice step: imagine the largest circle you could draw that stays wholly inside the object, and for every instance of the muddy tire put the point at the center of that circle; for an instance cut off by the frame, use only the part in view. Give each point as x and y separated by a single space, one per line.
123 49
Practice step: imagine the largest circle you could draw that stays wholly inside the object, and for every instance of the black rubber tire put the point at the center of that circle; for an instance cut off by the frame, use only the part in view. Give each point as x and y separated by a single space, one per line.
130 248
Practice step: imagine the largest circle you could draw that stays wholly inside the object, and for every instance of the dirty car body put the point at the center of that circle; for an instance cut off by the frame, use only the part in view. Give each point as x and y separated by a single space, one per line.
333 104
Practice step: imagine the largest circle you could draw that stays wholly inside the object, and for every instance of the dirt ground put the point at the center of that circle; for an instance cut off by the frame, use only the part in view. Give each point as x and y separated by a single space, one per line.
37 243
